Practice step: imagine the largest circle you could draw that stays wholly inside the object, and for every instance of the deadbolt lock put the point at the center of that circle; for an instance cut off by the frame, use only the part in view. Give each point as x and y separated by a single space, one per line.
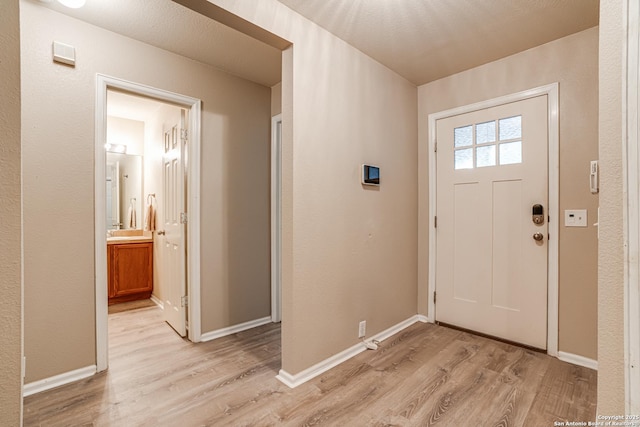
537 214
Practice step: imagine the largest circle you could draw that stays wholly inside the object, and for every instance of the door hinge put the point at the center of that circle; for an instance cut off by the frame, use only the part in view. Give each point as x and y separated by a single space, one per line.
435 222
435 147
434 297
183 218
184 301
184 134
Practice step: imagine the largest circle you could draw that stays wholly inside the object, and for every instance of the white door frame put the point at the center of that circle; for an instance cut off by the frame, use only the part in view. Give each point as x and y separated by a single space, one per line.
103 83
631 219
551 91
276 219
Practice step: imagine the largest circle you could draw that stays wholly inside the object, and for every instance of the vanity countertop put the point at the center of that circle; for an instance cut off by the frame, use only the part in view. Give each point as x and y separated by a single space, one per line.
128 239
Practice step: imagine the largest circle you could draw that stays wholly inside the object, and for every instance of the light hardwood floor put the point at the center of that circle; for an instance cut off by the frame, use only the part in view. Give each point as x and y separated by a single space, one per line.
425 375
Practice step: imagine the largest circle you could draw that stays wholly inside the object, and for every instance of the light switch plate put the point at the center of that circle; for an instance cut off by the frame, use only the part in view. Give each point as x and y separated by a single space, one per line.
575 218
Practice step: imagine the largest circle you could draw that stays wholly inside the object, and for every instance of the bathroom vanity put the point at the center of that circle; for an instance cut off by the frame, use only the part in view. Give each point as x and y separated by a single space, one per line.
129 268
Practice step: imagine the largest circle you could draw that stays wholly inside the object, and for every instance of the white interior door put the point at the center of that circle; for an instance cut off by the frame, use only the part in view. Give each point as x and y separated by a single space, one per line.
491 266
172 270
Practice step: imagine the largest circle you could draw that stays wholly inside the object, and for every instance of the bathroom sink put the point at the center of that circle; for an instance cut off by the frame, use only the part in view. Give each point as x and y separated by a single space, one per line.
131 239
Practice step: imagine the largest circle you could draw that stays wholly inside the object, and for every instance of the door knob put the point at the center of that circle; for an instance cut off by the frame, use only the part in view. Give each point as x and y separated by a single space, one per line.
538 237
161 232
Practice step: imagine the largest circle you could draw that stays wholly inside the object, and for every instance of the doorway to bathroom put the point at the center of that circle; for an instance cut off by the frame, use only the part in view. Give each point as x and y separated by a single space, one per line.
146 206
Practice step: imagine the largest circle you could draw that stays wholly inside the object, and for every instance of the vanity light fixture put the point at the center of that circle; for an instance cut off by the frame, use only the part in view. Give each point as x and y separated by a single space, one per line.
115 148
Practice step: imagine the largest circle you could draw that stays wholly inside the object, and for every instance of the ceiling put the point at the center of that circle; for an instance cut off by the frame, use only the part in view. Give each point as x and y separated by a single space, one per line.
175 28
424 40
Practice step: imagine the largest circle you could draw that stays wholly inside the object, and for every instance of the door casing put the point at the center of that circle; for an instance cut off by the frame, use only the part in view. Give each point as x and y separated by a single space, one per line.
104 83
276 218
551 91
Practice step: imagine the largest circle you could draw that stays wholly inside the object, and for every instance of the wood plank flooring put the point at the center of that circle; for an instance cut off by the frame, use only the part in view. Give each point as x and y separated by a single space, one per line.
423 376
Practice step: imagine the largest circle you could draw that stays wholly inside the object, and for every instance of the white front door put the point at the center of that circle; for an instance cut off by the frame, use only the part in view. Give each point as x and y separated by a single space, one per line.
172 270
491 266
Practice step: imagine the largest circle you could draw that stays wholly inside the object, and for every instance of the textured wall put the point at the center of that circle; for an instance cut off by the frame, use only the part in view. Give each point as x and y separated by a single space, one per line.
58 155
351 250
573 62
611 256
10 218
276 99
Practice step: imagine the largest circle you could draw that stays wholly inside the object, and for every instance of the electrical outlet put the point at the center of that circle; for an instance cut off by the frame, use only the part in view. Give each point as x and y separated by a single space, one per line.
362 329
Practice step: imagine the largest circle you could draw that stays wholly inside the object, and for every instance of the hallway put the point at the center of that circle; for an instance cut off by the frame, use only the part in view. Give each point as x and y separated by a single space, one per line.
423 375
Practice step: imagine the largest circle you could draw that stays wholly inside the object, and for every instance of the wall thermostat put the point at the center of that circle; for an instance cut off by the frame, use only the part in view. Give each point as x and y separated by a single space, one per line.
370 175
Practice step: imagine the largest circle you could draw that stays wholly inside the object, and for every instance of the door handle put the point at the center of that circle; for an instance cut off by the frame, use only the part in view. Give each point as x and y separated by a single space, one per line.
538 237
160 232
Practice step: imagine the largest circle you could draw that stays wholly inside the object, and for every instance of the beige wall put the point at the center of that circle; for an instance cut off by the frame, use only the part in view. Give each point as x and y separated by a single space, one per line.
611 384
10 219
351 250
276 99
58 153
573 62
128 132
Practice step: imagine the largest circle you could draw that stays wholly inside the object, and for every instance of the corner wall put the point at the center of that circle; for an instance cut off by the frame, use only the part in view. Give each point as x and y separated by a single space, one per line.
611 352
10 218
349 252
573 62
276 99
58 157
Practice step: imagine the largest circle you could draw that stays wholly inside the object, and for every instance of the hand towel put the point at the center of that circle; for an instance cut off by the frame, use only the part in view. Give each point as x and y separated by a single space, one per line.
132 217
150 220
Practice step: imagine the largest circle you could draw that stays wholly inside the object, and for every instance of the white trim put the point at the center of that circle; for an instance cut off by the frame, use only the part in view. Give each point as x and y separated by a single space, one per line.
319 368
631 203
157 301
276 219
100 228
551 91
103 83
578 360
219 333
58 380
193 209
424 319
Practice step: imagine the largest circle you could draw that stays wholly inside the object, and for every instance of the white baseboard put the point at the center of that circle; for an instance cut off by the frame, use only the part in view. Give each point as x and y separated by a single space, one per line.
293 381
58 380
424 319
395 328
208 336
578 360
157 302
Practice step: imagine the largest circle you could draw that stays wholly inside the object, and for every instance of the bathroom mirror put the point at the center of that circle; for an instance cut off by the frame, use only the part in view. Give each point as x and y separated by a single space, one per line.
124 192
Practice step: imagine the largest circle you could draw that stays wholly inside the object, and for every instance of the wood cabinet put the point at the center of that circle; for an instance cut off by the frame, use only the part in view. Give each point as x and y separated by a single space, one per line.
130 271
